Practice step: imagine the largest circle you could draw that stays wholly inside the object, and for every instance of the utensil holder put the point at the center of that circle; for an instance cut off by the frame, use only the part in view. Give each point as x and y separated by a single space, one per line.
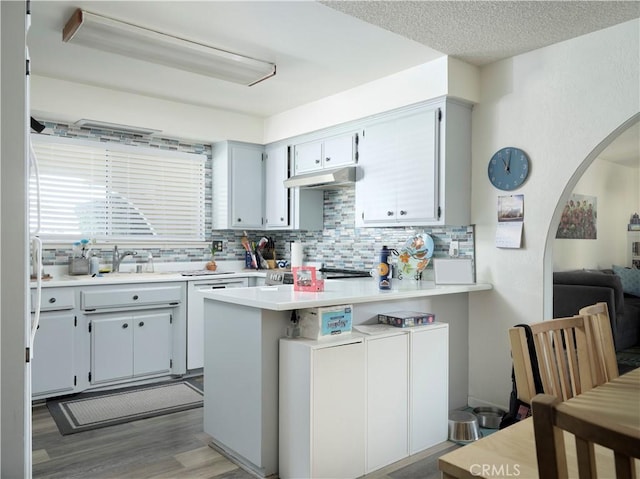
79 265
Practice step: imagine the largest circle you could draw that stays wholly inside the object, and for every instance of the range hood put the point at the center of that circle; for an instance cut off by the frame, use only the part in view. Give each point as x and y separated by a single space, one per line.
324 179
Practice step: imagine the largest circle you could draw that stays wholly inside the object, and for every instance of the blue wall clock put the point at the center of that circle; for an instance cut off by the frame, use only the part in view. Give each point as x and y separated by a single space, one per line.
508 168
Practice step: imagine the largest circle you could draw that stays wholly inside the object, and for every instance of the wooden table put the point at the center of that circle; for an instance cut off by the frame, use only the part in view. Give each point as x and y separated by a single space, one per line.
511 453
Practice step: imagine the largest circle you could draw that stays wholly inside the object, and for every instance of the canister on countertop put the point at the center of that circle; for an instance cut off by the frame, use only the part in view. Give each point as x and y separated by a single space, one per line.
94 265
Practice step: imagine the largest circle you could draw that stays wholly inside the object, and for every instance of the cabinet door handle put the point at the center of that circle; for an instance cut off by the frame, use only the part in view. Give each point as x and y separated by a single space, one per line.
281 218
125 325
239 220
389 213
52 300
403 212
141 323
328 158
317 161
135 297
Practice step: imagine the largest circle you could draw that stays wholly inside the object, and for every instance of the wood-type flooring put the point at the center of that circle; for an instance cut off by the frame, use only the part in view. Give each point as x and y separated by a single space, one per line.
170 446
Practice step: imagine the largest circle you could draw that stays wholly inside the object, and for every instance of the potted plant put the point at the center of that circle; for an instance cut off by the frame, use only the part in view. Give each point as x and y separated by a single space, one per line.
211 265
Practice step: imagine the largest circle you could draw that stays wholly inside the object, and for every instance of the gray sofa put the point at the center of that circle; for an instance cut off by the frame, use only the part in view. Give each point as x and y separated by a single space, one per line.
573 290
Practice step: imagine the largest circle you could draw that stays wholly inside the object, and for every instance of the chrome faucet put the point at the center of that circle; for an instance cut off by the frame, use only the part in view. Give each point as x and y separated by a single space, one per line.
117 258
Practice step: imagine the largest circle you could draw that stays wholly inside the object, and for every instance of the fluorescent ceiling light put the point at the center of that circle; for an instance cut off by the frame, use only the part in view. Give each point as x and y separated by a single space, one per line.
103 33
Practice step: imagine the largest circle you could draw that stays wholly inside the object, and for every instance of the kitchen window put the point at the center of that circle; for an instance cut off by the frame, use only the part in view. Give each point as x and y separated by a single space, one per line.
109 191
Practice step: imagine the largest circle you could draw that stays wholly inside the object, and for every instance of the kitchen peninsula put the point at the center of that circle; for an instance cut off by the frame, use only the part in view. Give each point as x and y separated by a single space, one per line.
243 327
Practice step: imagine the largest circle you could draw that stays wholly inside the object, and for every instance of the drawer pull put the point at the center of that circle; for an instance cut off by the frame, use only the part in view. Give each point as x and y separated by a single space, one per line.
141 323
135 297
125 325
52 300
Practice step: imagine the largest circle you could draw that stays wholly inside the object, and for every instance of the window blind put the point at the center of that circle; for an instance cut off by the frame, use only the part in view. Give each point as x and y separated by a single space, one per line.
117 192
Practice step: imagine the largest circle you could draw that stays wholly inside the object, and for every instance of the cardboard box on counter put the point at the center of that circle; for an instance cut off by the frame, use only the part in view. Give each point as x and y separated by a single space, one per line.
317 323
403 319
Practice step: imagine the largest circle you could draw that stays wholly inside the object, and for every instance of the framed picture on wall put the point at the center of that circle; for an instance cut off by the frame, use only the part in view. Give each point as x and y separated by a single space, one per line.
579 218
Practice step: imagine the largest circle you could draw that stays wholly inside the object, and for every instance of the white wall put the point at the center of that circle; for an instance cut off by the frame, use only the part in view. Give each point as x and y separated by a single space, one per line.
617 191
68 101
416 84
15 378
557 103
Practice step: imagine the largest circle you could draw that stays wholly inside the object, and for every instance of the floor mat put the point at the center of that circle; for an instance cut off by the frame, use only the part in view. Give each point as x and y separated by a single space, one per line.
86 411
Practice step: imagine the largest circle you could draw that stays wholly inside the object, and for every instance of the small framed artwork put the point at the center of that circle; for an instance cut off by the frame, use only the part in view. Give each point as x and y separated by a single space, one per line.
579 218
304 279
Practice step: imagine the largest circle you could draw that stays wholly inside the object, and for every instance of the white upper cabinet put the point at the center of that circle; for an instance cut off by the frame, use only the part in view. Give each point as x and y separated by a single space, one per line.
413 169
399 164
237 185
288 208
415 166
249 192
276 208
330 152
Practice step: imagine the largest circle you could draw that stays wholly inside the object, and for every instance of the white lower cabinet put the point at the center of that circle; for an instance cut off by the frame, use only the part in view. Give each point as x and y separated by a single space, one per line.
353 405
53 367
321 408
129 345
428 386
387 399
56 355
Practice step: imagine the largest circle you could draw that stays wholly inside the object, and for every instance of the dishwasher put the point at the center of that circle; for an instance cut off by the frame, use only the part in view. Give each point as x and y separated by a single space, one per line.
195 315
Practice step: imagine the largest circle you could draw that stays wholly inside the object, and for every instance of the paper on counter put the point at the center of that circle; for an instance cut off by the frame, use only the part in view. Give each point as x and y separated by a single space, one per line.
372 329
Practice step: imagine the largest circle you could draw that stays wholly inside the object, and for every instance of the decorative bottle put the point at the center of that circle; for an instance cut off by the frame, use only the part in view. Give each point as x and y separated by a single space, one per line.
384 269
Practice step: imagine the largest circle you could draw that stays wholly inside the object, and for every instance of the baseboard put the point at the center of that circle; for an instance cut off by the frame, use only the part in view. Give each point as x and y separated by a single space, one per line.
475 402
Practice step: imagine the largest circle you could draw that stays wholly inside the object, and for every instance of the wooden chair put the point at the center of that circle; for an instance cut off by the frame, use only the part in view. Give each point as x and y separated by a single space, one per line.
604 365
551 418
562 347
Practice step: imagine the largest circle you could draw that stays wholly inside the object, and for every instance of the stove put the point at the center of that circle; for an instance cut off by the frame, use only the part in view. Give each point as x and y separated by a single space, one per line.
286 277
337 273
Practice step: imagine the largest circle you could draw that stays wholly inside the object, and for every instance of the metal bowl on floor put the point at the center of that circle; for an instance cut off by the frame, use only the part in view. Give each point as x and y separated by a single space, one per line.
463 427
489 417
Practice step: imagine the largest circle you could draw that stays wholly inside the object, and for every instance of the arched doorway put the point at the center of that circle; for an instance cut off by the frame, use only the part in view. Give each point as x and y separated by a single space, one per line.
632 122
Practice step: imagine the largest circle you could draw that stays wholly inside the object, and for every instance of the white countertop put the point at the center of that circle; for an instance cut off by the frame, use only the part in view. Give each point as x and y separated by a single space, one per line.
166 272
336 291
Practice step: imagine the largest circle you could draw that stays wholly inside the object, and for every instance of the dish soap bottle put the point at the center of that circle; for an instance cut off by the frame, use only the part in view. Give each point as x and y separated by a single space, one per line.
149 265
94 265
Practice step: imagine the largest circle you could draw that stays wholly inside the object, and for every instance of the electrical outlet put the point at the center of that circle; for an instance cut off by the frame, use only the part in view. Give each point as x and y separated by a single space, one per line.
454 248
217 245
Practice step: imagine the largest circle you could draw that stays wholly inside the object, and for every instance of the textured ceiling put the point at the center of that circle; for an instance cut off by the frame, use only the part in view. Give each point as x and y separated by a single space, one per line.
481 32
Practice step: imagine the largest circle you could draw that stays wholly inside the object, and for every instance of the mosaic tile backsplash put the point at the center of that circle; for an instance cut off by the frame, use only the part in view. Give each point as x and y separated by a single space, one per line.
340 244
